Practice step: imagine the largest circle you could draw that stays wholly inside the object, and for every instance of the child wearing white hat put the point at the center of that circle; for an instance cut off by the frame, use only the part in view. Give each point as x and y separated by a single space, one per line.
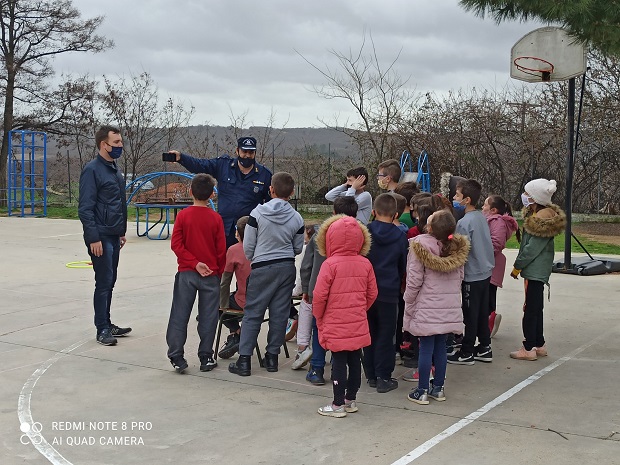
542 221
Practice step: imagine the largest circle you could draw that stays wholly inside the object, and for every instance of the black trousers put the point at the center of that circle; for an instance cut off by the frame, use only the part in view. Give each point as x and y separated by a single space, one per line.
475 314
533 314
379 356
492 298
346 386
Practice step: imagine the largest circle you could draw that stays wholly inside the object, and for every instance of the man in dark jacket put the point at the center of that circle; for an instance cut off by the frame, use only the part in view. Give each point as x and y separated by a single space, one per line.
103 213
242 183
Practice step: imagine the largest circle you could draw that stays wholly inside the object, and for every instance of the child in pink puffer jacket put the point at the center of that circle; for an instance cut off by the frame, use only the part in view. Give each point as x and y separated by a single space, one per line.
433 298
502 226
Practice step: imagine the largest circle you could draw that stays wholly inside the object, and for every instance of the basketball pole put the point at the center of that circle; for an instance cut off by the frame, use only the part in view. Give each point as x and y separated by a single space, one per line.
570 161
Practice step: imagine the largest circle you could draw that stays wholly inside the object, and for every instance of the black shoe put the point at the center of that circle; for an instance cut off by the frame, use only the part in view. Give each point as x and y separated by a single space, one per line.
386 385
230 347
271 362
461 358
315 376
243 367
483 354
179 364
372 383
105 337
207 363
119 332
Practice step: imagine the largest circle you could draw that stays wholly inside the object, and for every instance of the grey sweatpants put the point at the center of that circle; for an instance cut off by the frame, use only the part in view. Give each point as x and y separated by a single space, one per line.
186 285
268 286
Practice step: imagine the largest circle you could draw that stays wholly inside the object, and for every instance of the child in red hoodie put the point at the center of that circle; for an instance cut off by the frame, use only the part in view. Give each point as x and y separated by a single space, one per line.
345 289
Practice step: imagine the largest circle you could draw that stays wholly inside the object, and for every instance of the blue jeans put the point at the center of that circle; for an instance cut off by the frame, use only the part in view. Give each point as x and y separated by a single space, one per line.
432 348
318 352
105 268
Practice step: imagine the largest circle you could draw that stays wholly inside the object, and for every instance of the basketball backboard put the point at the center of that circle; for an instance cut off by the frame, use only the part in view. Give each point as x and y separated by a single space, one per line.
547 54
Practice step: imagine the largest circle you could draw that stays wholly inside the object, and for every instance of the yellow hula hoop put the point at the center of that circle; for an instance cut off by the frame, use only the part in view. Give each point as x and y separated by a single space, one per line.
80 264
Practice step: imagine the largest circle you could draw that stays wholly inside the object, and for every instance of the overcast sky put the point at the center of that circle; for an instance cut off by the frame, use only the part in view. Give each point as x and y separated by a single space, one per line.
241 55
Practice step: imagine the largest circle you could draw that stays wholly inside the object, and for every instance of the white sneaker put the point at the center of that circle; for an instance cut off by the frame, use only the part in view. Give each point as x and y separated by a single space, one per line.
302 358
333 411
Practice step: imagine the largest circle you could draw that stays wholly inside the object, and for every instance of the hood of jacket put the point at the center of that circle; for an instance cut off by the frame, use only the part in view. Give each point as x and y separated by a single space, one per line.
384 233
509 221
277 211
346 235
427 248
548 222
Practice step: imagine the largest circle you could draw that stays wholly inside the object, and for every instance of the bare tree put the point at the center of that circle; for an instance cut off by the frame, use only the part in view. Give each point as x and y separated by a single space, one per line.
31 33
148 126
379 96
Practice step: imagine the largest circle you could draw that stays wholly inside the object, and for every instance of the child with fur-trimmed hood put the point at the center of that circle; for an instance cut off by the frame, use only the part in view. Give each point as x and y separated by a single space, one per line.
345 289
542 221
435 269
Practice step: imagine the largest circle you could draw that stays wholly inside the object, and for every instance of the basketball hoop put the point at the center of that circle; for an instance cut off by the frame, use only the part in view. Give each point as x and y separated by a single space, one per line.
527 65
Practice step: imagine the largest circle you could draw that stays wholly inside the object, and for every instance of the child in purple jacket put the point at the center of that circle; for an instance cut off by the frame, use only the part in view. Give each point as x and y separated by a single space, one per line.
433 298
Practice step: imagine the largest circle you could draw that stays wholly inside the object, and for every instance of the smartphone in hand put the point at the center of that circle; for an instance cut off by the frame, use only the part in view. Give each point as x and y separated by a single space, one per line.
168 156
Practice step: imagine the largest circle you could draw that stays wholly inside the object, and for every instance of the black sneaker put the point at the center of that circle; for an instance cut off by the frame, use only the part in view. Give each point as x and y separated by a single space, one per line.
105 338
230 347
207 363
460 358
372 383
179 364
386 385
483 354
119 332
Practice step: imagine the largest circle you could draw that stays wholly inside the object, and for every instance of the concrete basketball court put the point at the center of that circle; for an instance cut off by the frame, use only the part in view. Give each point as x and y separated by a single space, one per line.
90 404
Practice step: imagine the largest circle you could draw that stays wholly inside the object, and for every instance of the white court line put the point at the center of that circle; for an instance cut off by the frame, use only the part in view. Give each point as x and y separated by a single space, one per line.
25 415
60 235
459 425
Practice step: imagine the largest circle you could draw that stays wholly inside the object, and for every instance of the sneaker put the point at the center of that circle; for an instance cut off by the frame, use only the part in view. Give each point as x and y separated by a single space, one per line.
494 320
483 354
105 338
332 410
179 364
410 362
413 376
350 406
230 347
372 383
460 358
291 329
207 363
523 354
302 358
541 351
119 332
386 385
419 396
436 393
315 376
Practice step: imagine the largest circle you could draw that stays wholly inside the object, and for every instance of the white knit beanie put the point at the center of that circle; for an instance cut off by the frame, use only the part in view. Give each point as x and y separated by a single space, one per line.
541 190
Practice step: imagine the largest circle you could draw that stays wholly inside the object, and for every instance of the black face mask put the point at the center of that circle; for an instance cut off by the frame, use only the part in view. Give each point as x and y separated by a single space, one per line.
414 220
245 162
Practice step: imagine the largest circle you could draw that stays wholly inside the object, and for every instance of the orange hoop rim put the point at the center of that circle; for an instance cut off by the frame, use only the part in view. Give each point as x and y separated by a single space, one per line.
534 72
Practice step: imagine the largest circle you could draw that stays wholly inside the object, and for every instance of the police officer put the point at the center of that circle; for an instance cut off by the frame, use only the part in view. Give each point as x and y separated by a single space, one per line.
242 183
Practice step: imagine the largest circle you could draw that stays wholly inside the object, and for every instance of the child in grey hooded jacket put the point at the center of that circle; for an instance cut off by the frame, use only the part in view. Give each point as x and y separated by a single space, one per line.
273 237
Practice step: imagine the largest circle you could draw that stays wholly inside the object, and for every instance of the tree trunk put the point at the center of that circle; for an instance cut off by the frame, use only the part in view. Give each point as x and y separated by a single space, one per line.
7 125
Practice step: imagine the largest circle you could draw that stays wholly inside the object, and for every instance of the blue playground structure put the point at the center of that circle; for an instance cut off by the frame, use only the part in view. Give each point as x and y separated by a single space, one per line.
27 173
422 176
154 204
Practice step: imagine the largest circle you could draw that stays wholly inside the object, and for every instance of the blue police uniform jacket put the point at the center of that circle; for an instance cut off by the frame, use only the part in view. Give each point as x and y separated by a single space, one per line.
237 194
